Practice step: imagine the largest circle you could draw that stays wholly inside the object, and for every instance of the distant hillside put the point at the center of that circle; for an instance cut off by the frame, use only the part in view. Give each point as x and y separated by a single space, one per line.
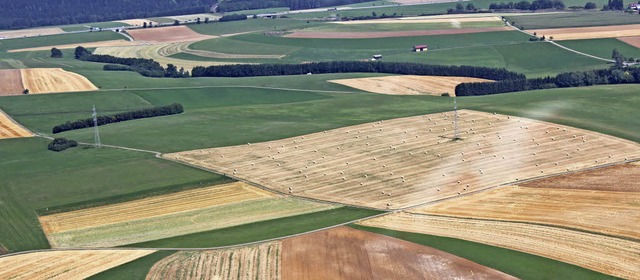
237 5
31 13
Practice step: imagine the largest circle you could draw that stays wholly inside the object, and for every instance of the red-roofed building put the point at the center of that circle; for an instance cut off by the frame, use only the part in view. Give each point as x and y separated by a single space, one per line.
420 48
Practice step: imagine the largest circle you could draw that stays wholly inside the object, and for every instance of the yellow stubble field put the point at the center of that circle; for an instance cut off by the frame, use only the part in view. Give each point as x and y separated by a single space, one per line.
10 128
49 80
409 84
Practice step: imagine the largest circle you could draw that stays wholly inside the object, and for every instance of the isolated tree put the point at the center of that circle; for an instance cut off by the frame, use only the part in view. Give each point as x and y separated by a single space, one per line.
150 24
81 52
197 20
56 53
471 7
589 6
373 14
255 16
176 22
459 7
206 20
144 24
25 91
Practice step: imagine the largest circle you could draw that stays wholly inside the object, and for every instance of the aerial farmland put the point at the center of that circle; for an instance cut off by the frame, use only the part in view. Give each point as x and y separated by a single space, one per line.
345 139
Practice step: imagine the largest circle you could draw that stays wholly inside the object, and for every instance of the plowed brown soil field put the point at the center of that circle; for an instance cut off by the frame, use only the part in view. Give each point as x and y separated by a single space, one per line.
409 84
167 34
10 128
387 34
612 213
251 262
346 253
10 82
48 80
409 161
608 255
65 264
634 41
575 33
616 178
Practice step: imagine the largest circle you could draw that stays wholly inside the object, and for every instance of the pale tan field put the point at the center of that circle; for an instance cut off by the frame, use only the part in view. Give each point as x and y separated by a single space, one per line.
608 255
65 264
575 33
159 53
10 82
137 22
193 17
612 213
30 32
9 128
410 161
170 215
110 43
251 262
409 84
422 1
634 41
430 19
48 80
167 34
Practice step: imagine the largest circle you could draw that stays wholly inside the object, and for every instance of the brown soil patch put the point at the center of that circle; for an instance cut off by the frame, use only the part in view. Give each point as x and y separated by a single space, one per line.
634 41
612 31
409 84
617 178
65 264
30 32
48 80
251 262
346 253
10 82
386 34
9 128
604 254
167 34
110 43
612 213
409 161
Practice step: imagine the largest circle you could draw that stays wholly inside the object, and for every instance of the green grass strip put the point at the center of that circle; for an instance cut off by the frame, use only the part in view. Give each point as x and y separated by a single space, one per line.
137 269
515 263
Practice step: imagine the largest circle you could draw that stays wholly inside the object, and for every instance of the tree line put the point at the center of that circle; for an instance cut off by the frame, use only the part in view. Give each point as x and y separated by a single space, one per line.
146 67
239 5
251 70
562 80
33 13
172 109
232 17
526 5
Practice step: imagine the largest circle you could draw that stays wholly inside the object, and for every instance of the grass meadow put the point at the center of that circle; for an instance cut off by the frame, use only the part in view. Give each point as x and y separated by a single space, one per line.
574 19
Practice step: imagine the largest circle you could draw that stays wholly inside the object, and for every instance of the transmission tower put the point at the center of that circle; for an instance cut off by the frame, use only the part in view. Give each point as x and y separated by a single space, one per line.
456 132
95 128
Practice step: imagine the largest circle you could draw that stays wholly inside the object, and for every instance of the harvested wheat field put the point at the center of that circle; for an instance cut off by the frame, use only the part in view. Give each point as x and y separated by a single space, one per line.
346 253
427 19
65 264
9 128
634 41
409 84
159 53
30 32
170 215
49 80
387 34
137 21
612 213
625 177
410 161
601 253
612 31
193 17
167 34
251 262
10 82
110 43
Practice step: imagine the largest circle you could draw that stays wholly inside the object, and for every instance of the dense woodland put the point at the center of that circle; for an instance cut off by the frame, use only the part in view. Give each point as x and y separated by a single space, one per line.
238 5
32 13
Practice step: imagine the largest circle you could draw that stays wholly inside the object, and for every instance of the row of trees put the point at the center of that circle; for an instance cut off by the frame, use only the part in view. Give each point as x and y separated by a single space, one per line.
562 80
61 144
32 13
526 5
251 70
172 109
238 5
232 17
146 67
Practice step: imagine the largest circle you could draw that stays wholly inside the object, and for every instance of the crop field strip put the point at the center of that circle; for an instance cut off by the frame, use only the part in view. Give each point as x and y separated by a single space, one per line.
346 253
634 41
167 34
9 128
611 213
575 33
30 32
10 82
50 80
625 175
387 34
262 261
408 84
170 215
110 43
410 161
609 255
65 264
426 19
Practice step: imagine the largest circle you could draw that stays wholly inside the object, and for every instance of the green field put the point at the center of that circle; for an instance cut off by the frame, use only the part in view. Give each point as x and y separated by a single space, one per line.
249 25
50 40
380 27
575 19
602 47
136 269
515 263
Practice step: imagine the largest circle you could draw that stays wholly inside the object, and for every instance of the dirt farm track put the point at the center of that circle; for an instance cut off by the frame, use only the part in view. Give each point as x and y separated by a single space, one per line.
404 162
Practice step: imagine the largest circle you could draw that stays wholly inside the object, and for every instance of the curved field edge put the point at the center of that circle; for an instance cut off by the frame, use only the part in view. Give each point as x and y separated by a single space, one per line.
519 264
137 269
264 230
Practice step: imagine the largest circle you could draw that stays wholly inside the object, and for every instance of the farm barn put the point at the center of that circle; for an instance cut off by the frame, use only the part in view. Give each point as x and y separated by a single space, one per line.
420 48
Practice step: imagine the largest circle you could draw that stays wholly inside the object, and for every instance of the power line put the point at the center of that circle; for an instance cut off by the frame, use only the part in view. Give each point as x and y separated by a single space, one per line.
96 136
